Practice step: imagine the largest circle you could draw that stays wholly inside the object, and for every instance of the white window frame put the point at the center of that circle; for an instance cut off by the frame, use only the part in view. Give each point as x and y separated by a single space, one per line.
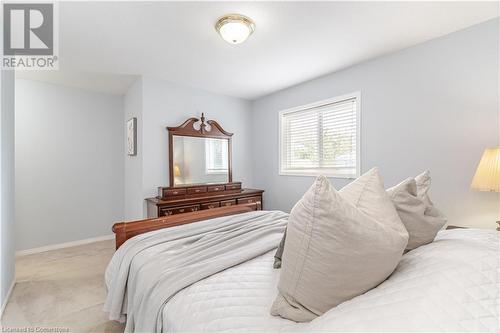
328 173
207 158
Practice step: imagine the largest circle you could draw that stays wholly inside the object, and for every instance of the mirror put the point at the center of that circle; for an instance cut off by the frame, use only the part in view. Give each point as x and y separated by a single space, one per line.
198 160
199 153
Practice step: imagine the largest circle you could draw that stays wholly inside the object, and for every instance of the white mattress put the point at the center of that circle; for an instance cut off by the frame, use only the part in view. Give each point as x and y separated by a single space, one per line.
449 285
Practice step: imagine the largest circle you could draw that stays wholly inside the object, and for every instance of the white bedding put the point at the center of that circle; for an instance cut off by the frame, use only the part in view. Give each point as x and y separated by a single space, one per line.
148 270
452 284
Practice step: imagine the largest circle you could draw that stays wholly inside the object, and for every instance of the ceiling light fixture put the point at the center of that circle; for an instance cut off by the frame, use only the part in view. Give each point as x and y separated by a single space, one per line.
235 28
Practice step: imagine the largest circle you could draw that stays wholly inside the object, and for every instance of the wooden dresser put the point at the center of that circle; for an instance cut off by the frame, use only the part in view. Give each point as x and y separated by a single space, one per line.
192 198
200 172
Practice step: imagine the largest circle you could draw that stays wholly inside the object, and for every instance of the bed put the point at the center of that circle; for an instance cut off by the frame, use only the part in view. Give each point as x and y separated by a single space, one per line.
452 284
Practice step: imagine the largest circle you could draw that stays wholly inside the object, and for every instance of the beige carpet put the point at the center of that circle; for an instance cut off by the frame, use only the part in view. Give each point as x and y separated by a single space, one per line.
61 289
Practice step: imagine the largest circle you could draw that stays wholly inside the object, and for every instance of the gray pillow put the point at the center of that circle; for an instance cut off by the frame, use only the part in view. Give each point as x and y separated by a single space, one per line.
416 210
420 217
334 251
279 252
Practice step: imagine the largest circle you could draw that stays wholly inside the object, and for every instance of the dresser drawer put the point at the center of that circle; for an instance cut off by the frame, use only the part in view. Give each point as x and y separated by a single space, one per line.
178 210
233 187
249 200
168 193
210 205
226 203
196 190
215 188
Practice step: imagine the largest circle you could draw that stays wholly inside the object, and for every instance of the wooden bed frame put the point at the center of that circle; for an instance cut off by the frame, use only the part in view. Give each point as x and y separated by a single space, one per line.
125 230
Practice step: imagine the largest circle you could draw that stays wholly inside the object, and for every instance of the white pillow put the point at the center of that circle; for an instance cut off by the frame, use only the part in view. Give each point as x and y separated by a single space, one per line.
334 252
416 210
367 193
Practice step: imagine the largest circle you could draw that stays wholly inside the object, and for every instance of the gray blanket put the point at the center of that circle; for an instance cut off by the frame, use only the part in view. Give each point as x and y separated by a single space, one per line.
149 269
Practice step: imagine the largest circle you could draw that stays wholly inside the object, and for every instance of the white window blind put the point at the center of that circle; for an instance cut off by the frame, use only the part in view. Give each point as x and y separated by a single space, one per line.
216 156
321 139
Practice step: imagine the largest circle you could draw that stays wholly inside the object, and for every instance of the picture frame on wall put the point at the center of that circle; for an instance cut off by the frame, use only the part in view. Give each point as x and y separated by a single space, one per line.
132 137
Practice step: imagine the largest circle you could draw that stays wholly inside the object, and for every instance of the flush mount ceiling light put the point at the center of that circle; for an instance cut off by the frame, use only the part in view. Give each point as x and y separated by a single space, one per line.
235 28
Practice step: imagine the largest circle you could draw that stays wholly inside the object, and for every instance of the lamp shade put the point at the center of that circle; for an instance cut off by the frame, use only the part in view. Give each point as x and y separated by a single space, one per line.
177 171
487 177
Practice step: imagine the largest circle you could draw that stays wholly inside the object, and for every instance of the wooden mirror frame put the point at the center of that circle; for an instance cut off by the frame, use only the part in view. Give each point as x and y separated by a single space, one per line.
187 129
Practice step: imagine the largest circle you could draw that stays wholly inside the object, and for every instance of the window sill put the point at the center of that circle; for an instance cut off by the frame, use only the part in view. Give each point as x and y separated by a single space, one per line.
317 173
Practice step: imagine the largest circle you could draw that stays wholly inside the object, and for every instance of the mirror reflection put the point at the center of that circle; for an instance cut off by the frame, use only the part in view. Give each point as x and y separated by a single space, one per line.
198 160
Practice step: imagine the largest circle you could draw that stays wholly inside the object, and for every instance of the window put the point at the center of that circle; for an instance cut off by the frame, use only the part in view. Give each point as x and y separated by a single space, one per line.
321 138
216 156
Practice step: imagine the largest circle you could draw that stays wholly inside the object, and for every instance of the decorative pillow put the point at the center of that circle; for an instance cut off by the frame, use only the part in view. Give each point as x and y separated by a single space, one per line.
416 210
368 195
279 252
423 182
333 252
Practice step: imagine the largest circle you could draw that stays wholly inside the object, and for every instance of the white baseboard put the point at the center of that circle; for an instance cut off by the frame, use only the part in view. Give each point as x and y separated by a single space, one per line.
63 245
7 297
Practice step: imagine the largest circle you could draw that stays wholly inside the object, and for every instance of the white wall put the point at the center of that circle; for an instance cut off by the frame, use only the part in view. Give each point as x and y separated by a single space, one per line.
433 106
133 199
69 164
166 104
7 212
71 189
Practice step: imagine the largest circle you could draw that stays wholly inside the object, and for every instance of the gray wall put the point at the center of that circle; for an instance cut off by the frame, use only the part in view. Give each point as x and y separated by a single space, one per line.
7 247
166 104
69 164
433 106
133 199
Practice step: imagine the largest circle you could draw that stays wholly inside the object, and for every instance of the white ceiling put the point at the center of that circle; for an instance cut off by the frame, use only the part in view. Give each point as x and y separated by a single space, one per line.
293 41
